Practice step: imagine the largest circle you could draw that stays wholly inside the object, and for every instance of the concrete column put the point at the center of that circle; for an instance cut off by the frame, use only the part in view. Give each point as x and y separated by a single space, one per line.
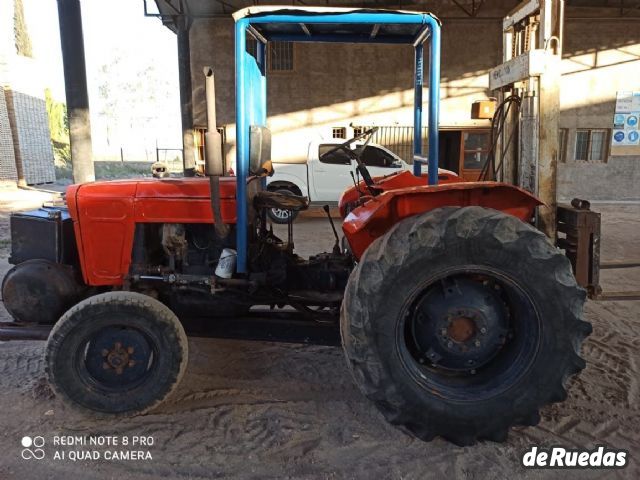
75 79
550 39
548 149
186 100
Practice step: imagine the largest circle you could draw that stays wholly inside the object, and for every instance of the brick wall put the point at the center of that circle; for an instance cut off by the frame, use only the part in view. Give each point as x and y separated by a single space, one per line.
31 139
600 58
8 169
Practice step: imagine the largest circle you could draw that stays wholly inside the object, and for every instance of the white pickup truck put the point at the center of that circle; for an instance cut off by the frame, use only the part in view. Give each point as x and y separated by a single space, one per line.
324 180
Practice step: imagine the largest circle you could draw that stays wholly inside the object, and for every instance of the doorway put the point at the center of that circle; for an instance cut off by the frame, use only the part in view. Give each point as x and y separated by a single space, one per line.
464 152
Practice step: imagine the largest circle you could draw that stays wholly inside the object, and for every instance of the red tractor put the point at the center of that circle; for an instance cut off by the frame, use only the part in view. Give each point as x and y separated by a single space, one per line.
457 317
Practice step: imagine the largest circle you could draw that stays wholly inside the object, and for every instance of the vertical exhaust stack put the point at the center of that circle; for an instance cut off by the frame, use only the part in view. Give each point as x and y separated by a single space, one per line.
214 163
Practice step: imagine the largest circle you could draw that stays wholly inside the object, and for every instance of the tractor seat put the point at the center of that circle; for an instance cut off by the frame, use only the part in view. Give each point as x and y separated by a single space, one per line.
292 202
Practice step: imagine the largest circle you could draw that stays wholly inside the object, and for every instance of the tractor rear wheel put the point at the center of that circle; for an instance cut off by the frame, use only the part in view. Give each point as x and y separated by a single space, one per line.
462 322
117 353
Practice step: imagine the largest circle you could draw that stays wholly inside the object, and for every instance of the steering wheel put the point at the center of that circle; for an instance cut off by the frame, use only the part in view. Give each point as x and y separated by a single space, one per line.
362 168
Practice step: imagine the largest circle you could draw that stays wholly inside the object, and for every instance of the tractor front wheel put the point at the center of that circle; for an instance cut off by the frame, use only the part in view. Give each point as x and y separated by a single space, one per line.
117 353
462 322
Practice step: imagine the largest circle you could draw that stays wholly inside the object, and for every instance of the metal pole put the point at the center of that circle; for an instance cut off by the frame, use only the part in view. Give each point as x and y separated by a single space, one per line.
75 80
242 149
418 82
186 102
434 102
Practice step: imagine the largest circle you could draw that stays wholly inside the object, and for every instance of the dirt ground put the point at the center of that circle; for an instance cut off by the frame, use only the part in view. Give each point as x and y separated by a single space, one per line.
263 410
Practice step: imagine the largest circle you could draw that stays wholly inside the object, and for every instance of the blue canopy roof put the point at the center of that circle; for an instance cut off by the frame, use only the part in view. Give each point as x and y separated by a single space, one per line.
348 25
324 24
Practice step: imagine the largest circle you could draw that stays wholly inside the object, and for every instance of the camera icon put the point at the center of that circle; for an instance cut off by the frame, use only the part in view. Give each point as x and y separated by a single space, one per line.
32 448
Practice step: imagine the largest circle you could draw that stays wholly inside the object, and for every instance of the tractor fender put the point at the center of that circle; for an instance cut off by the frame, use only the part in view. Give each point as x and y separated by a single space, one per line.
379 214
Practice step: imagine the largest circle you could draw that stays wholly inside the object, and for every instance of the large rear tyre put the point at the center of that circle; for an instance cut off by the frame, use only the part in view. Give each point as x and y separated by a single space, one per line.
118 353
462 322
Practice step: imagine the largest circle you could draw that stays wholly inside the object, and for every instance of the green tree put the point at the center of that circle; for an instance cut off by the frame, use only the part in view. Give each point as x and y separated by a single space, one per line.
58 128
57 113
23 42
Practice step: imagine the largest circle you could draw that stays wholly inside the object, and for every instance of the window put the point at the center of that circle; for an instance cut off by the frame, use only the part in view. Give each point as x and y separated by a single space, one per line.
339 157
339 132
562 144
476 149
280 56
591 145
376 157
358 131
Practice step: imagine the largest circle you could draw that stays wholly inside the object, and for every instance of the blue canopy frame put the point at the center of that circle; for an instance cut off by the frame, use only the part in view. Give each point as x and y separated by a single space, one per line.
295 25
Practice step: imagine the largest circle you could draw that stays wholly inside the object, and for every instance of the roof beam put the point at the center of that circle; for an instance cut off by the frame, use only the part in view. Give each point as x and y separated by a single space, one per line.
305 29
256 34
463 8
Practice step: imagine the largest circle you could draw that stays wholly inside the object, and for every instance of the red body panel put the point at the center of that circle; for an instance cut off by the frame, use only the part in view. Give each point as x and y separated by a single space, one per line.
105 214
394 181
401 198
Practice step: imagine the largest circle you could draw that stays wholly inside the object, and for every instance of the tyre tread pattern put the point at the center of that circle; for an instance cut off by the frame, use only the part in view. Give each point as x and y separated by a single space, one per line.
74 316
387 254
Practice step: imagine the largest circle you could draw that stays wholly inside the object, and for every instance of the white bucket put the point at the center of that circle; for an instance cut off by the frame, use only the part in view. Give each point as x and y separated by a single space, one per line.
226 263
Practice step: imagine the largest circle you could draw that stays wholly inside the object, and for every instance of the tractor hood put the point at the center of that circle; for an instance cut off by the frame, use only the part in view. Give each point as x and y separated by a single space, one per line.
105 215
197 187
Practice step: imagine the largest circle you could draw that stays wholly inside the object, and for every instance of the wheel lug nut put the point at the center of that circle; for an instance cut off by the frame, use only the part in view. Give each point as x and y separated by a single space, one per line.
449 344
477 343
483 330
443 331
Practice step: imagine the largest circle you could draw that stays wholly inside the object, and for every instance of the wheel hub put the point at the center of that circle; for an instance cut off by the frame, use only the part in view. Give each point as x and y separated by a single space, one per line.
280 213
460 325
461 329
118 358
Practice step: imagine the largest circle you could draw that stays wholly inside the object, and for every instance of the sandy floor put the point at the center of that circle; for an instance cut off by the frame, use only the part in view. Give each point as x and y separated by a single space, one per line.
262 410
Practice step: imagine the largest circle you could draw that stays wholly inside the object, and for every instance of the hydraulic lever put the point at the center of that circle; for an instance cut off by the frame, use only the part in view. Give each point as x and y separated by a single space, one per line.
336 246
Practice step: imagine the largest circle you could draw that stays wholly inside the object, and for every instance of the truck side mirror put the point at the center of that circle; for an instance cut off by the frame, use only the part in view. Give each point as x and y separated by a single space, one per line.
259 147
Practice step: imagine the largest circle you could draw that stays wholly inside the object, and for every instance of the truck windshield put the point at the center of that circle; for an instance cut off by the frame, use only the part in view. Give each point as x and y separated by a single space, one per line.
339 157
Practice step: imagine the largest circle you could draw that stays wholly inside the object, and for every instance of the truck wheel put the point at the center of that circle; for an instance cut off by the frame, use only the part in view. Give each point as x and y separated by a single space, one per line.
278 215
462 322
118 353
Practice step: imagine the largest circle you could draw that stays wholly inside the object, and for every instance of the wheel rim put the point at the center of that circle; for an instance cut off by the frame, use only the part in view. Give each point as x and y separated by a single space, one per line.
280 214
116 358
469 333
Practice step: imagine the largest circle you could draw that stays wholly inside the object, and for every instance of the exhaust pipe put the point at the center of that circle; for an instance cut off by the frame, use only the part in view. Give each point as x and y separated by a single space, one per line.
214 163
